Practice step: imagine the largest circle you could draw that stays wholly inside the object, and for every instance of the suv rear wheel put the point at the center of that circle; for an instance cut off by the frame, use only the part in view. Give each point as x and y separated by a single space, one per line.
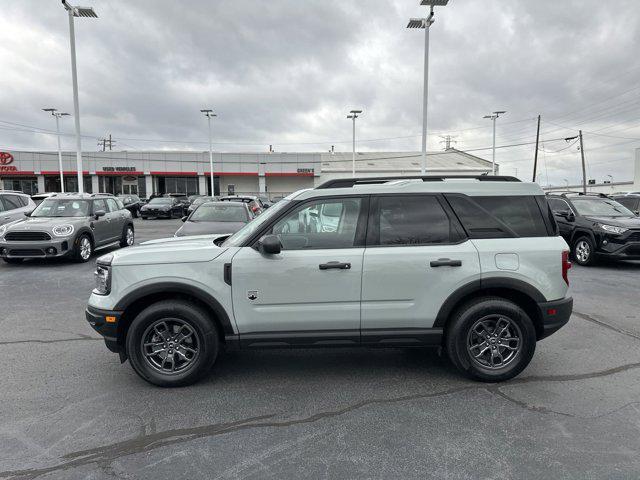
172 343
128 236
583 251
491 339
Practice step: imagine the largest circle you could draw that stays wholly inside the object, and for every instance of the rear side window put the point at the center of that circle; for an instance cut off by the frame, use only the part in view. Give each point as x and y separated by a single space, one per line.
499 217
410 220
12 201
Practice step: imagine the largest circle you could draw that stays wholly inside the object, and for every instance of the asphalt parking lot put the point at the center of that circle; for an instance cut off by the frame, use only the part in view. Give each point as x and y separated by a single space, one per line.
69 409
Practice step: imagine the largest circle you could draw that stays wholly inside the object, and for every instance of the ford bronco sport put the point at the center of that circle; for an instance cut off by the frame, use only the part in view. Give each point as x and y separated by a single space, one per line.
471 264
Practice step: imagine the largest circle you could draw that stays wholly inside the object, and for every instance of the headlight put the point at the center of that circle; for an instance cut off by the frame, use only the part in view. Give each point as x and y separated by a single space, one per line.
103 279
612 229
3 229
63 230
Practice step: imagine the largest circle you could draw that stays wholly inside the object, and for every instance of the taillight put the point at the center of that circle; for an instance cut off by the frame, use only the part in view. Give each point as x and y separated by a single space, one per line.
566 265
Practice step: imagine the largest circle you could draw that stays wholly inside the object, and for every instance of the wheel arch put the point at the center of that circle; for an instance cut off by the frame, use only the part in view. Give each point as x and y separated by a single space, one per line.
521 293
83 231
581 232
137 300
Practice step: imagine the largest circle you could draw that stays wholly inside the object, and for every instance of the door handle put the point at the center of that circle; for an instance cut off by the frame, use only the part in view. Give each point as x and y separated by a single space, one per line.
446 262
336 265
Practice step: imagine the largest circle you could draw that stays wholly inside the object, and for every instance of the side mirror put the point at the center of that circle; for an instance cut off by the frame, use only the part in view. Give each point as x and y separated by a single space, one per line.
184 219
566 214
270 245
99 213
27 214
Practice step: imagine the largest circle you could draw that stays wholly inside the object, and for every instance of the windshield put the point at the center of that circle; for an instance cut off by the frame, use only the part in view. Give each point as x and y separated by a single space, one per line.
250 228
216 212
600 207
62 208
161 201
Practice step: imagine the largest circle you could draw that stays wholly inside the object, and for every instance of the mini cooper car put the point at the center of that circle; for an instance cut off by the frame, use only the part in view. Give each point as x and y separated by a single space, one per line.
67 225
474 265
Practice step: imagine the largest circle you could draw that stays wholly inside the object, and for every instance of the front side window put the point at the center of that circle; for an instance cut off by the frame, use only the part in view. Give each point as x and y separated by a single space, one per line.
62 208
242 235
558 205
99 205
112 205
410 220
327 223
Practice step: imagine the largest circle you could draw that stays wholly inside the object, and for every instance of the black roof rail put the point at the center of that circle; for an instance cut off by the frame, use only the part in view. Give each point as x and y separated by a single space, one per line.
350 182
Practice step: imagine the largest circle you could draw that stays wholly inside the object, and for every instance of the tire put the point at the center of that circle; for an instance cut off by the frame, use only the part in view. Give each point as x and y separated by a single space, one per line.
127 240
143 217
583 251
80 252
462 338
147 329
13 261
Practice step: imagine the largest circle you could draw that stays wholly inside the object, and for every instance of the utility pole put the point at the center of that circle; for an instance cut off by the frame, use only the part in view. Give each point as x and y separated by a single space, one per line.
535 158
584 170
493 117
353 116
106 141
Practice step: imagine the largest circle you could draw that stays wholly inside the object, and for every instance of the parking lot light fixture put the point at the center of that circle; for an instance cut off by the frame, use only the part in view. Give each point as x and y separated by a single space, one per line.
86 12
209 113
57 114
425 23
494 117
353 116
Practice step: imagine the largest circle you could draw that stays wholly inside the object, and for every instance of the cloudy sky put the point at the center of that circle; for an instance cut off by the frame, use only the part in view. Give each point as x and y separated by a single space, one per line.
286 72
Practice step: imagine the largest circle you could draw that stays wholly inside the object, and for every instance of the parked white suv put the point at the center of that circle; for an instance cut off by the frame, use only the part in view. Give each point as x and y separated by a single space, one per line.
472 264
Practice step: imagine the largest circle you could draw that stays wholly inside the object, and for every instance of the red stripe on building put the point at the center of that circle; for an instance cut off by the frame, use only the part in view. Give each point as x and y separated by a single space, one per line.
101 173
64 172
175 174
288 174
15 173
234 174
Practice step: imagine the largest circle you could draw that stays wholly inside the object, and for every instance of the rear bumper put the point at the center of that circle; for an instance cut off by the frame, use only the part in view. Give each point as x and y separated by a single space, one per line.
105 322
555 315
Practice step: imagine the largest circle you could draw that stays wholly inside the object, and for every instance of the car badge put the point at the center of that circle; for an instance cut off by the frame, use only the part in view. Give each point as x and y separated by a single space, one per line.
252 294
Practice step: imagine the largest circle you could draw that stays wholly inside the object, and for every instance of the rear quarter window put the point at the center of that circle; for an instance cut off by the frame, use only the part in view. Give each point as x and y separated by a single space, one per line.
499 216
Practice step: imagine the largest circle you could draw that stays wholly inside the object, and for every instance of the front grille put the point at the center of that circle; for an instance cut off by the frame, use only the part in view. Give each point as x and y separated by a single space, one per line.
26 252
634 237
27 236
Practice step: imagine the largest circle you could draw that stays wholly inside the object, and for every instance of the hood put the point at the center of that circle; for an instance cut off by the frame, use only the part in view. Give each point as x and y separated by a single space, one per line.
170 250
201 228
156 207
626 222
45 224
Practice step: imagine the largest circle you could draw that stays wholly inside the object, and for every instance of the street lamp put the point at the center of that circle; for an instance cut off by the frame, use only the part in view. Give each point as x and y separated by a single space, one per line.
209 113
493 117
86 12
425 23
57 114
353 116
611 181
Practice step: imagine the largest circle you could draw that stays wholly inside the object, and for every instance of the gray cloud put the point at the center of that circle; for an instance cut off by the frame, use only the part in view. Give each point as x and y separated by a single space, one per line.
287 72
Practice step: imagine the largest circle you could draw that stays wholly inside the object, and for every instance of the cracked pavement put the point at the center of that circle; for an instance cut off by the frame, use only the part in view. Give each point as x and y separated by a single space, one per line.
68 409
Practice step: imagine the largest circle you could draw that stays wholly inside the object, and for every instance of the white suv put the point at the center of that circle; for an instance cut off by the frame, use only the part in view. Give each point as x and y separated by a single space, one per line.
472 264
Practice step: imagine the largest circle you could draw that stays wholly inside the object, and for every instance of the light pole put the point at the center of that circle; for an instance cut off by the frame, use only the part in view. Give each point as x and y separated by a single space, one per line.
567 183
353 116
57 114
88 13
209 113
494 116
425 23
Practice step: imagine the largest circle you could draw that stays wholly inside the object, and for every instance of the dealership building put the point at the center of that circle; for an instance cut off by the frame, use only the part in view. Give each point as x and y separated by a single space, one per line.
274 174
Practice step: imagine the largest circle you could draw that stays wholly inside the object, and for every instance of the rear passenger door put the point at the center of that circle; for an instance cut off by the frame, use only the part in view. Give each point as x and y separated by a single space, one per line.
101 226
117 218
416 256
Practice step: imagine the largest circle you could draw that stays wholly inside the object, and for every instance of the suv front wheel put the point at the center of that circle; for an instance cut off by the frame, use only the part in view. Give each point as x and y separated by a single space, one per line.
583 251
491 339
172 343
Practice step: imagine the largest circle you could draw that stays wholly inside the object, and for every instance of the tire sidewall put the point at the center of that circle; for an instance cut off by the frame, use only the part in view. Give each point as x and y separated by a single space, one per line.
76 255
466 317
590 260
123 240
207 339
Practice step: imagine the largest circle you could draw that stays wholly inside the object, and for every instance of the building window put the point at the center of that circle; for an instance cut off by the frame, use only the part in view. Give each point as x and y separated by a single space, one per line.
186 185
25 185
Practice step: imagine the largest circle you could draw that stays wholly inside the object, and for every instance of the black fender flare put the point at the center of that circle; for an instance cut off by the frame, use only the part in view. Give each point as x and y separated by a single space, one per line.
82 231
478 286
180 288
582 232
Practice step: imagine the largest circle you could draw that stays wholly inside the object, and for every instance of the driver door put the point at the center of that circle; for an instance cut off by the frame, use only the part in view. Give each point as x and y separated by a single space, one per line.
101 226
309 294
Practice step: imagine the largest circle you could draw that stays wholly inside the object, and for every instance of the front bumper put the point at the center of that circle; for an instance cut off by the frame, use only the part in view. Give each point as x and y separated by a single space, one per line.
105 322
56 247
155 213
555 315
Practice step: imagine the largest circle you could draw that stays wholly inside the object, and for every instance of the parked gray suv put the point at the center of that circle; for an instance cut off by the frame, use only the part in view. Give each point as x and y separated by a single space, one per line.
67 225
13 206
